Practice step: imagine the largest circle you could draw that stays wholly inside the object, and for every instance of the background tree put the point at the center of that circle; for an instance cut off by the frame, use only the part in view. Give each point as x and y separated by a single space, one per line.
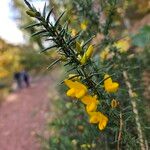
23 21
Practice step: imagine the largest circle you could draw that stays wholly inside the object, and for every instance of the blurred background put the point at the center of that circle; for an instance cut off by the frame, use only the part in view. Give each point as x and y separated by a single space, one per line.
19 51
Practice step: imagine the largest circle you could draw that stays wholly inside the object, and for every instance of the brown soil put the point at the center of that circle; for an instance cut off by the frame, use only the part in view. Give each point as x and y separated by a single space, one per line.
24 113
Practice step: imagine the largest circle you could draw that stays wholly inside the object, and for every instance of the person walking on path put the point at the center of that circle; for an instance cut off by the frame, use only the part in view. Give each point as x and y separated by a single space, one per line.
25 78
17 77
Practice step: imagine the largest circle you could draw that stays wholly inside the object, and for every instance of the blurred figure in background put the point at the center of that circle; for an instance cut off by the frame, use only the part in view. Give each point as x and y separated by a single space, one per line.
17 77
25 78
22 79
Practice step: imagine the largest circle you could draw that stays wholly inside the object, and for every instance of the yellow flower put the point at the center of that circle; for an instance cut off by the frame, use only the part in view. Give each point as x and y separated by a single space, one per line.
87 54
98 117
77 89
91 107
109 85
73 32
88 99
104 54
103 122
91 102
94 117
83 25
114 103
123 45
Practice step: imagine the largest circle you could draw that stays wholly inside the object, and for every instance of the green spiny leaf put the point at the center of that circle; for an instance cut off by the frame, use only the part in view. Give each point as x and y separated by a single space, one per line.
33 25
44 10
89 40
48 48
50 39
67 63
48 16
62 32
39 32
74 68
28 4
57 22
46 34
52 64
73 39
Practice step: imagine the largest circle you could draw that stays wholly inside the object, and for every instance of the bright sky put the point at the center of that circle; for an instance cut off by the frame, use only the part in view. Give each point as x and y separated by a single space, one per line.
8 28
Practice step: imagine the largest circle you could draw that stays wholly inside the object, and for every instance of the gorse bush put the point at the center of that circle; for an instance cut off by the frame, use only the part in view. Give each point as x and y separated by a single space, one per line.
100 83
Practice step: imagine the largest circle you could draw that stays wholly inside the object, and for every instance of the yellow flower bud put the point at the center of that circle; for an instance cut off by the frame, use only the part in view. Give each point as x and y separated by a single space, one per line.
32 13
87 55
114 103
74 77
80 127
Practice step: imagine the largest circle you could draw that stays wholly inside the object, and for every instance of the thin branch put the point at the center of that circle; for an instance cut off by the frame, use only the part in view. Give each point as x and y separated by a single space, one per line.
135 111
120 132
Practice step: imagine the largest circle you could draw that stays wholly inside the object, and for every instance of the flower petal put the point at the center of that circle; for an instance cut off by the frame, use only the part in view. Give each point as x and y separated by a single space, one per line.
91 107
71 92
80 94
103 122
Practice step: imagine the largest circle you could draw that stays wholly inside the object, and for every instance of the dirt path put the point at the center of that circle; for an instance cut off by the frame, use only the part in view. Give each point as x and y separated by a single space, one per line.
24 113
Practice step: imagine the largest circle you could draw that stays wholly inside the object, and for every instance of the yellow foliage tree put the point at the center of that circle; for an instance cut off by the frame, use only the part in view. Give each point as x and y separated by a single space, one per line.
9 60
